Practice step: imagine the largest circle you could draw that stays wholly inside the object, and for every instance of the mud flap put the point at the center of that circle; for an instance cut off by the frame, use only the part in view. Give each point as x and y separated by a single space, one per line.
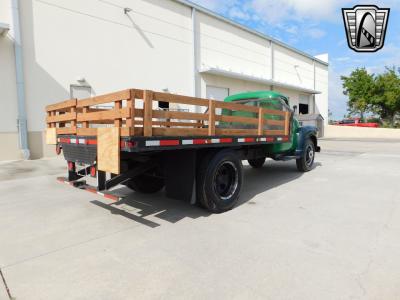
180 170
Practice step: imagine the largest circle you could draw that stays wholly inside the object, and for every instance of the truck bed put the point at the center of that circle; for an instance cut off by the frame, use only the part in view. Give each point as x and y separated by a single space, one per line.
130 121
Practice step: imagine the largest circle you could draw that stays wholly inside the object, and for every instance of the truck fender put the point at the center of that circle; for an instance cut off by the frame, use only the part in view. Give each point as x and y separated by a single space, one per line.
304 133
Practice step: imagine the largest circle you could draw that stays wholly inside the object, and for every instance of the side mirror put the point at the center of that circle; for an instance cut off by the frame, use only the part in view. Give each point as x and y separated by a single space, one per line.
294 108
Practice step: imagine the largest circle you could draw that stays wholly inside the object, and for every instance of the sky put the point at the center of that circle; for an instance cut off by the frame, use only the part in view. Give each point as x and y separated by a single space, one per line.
316 27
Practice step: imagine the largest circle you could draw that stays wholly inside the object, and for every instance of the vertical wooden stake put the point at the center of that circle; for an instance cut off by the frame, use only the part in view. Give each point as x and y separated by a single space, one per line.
287 115
211 117
260 121
85 124
148 113
49 115
73 122
130 122
53 113
117 107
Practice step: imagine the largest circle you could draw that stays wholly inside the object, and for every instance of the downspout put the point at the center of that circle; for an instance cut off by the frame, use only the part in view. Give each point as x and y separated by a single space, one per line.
19 70
195 58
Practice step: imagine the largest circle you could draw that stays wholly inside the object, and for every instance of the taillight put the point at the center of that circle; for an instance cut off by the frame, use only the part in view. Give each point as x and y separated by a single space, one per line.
71 166
93 171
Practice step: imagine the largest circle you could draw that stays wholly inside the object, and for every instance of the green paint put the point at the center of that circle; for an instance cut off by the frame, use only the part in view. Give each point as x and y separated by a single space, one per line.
269 100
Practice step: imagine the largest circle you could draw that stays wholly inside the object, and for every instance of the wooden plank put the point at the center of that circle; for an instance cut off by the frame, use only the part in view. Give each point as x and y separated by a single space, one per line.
108 149
131 103
117 96
66 130
274 132
274 112
236 107
61 105
87 131
61 118
118 121
52 114
180 131
104 115
137 94
51 136
240 132
236 119
139 113
126 131
287 125
172 124
48 115
148 112
166 97
260 121
138 131
211 118
73 111
85 124
179 115
275 122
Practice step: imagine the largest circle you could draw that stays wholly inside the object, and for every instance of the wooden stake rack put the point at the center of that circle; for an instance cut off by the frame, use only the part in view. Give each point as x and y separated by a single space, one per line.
135 112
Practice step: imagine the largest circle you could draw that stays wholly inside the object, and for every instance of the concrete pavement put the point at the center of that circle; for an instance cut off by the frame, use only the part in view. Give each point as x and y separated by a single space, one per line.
332 233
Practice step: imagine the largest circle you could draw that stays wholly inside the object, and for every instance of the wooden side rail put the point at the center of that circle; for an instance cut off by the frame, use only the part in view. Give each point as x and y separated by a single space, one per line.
135 112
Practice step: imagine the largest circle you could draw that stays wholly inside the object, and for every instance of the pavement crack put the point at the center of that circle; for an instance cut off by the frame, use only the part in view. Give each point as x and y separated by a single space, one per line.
5 285
67 247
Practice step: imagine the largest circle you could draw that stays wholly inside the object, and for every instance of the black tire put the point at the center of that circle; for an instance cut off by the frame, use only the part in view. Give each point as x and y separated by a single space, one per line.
306 162
219 181
257 162
145 184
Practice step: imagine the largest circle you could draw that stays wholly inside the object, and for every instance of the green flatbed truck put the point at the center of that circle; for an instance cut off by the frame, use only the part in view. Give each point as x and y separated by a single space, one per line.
155 149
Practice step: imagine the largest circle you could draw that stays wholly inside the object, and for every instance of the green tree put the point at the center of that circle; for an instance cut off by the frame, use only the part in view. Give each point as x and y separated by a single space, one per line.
386 100
359 87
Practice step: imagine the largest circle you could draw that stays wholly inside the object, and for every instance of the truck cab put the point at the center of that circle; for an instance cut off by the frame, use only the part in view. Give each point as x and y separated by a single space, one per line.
295 146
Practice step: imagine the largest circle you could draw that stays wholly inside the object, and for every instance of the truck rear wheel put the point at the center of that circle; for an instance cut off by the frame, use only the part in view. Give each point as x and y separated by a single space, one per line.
306 161
145 184
257 162
219 181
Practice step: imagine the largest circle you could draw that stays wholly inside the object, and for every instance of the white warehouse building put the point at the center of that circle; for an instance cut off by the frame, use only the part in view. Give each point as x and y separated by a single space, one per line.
51 50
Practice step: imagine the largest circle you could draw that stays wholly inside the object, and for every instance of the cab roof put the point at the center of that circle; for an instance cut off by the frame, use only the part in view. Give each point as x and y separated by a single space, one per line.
255 95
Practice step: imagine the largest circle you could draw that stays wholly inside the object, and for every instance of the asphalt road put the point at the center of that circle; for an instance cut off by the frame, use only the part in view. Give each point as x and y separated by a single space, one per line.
333 233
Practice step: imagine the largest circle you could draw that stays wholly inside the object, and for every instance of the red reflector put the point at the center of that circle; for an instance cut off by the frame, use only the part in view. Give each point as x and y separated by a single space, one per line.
93 171
249 140
64 140
91 142
285 139
169 142
226 140
130 144
270 139
199 142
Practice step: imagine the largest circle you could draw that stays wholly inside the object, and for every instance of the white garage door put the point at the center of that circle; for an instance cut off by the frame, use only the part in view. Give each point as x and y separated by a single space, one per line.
217 93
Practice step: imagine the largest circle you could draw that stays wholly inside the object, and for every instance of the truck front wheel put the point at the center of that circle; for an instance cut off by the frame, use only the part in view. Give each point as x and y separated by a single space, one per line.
306 161
145 184
257 162
219 181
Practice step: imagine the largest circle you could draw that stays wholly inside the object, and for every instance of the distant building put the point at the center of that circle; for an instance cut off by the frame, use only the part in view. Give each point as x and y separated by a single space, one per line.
77 49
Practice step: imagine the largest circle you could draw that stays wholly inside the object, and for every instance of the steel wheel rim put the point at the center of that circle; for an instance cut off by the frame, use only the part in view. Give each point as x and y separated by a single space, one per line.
226 180
309 155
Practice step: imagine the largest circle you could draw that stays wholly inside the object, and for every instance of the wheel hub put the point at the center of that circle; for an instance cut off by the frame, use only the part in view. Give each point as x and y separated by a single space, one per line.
226 180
